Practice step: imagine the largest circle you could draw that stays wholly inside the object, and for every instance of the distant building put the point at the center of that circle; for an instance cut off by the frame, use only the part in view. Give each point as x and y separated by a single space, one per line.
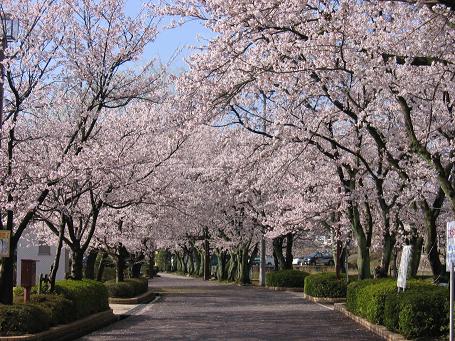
44 255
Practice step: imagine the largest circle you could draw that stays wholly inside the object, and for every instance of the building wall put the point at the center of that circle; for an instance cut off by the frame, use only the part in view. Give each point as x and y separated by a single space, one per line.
43 262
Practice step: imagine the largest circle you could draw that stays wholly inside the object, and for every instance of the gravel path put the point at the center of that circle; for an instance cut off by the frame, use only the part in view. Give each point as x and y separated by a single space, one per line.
192 309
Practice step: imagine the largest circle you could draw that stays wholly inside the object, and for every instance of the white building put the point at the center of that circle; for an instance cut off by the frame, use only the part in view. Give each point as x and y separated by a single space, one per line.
44 256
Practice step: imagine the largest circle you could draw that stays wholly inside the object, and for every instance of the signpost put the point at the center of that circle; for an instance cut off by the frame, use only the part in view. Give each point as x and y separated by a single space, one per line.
5 240
450 261
403 271
28 277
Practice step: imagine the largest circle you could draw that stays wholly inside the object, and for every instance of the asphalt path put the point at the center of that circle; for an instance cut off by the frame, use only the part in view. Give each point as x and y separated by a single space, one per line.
193 309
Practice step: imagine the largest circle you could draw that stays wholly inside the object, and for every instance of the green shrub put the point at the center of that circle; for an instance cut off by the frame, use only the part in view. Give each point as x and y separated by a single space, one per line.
421 311
140 285
129 288
89 296
286 278
366 298
326 285
353 294
59 308
19 291
121 289
22 319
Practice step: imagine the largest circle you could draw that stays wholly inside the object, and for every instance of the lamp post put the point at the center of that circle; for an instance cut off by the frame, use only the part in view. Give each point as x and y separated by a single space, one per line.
10 29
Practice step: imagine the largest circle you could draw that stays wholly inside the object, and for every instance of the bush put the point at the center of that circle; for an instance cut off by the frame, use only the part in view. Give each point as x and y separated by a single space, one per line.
22 319
286 278
326 285
129 288
423 310
140 285
89 296
19 291
366 298
59 308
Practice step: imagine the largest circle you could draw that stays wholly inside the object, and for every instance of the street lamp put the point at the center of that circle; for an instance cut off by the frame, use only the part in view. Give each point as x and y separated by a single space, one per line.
10 28
9 32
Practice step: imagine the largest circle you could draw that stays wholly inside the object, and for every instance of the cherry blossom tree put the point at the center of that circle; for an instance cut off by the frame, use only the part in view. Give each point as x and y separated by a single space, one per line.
70 64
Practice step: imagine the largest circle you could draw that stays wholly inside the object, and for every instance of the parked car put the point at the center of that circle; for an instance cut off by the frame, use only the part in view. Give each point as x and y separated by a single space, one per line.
319 258
269 261
298 261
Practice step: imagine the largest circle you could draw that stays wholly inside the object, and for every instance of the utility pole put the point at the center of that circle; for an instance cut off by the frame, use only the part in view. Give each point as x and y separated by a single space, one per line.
262 262
9 32
4 45
262 244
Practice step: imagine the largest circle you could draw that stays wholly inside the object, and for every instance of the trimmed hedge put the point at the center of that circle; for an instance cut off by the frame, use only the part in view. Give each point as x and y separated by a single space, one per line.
75 300
417 312
286 278
20 319
59 308
366 298
326 285
421 311
131 287
89 296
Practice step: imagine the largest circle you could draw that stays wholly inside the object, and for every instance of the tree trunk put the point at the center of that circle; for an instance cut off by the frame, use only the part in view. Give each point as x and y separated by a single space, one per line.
221 268
414 262
190 263
184 263
289 257
363 241
137 260
387 248
6 279
55 265
120 264
207 272
77 262
90 264
200 272
276 265
136 270
233 265
394 266
431 242
197 261
244 274
101 266
338 260
179 260
277 244
151 265
363 260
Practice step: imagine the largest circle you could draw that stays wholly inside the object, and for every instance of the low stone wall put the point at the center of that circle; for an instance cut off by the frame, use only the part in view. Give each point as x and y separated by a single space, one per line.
285 289
144 298
324 299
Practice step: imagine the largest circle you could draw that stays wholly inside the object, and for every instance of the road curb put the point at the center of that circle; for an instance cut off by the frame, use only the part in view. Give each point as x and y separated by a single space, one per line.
284 289
138 308
69 331
144 298
324 299
377 329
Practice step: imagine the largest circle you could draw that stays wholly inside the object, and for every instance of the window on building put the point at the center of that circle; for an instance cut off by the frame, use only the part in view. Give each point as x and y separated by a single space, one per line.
44 249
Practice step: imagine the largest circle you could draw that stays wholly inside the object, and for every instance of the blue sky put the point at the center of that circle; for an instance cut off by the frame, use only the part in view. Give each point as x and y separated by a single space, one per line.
173 43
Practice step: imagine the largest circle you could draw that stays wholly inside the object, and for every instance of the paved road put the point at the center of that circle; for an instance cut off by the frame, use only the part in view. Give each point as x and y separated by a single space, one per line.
192 309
